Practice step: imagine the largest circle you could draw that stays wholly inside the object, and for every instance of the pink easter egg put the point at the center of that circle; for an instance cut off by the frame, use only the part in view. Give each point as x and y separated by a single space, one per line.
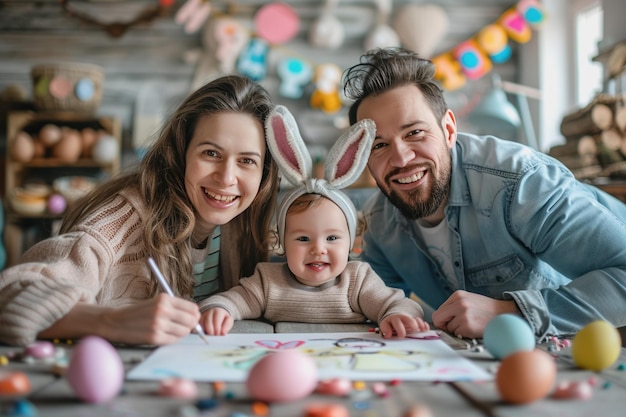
178 388
40 349
335 386
284 375
95 371
56 204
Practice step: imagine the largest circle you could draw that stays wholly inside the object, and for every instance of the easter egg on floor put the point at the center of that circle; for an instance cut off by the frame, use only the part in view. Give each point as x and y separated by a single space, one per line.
285 375
95 371
596 346
14 383
508 333
526 376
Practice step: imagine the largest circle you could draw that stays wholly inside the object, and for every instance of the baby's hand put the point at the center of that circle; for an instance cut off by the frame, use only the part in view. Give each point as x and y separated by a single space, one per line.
216 321
400 325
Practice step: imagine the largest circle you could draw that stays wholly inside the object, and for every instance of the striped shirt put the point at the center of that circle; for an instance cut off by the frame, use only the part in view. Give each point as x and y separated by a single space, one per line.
206 273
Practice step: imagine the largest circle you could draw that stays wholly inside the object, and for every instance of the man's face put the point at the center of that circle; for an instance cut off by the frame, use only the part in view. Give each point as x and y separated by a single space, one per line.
410 158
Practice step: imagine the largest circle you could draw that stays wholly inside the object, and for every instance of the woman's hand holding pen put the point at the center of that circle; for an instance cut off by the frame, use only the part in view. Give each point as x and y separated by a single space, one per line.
157 321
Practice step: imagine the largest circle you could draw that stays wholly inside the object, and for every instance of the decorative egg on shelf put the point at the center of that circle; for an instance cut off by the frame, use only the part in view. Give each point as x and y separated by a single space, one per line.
50 134
22 147
89 137
105 149
69 147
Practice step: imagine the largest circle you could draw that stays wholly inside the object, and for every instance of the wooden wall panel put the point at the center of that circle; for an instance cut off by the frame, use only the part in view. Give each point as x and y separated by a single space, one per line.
160 56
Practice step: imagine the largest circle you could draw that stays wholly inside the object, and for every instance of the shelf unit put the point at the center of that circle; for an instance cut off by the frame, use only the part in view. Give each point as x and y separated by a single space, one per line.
22 229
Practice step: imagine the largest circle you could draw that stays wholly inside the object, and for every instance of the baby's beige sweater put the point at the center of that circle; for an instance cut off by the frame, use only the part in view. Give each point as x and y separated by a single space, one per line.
102 261
354 296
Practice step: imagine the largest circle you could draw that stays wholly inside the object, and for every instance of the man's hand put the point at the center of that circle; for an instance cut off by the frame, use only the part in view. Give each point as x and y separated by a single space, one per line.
466 314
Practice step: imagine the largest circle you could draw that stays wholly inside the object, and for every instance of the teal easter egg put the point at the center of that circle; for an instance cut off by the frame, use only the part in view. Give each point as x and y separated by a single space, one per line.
506 334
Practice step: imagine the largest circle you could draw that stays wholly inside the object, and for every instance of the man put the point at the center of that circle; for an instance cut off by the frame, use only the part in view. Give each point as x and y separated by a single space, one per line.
478 226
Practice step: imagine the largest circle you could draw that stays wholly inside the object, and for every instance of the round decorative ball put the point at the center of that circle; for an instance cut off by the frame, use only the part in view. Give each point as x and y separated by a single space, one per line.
526 376
506 334
56 204
285 375
596 346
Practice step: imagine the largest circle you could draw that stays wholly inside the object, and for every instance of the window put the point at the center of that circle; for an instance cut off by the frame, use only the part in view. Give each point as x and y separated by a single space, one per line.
589 32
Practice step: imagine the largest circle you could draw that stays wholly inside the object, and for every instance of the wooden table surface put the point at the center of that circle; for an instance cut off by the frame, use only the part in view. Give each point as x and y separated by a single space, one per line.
52 396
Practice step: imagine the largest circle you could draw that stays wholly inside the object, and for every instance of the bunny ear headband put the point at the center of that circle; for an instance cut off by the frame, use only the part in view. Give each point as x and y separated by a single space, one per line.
345 163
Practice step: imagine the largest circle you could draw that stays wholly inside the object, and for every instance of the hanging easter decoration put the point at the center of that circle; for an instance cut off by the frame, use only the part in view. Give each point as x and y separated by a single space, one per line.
494 41
327 31
294 74
193 14
421 38
515 26
382 36
474 57
226 37
473 60
531 11
326 95
276 23
253 60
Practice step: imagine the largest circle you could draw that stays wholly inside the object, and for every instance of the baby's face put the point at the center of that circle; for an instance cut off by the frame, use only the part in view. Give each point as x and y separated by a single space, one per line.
317 243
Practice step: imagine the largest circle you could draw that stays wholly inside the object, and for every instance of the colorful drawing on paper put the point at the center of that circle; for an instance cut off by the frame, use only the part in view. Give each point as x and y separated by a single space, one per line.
357 356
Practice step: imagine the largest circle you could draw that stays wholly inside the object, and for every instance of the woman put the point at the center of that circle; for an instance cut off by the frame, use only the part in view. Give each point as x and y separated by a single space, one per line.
207 185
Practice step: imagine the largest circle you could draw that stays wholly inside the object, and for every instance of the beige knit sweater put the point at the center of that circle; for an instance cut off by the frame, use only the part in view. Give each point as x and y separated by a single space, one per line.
101 262
354 296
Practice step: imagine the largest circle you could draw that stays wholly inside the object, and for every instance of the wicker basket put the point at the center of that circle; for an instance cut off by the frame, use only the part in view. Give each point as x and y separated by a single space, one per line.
67 86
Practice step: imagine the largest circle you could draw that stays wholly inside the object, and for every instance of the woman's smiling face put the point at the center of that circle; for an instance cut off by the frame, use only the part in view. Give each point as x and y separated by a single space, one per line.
224 167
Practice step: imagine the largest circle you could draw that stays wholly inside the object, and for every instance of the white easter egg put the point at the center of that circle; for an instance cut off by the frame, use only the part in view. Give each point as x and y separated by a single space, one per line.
105 150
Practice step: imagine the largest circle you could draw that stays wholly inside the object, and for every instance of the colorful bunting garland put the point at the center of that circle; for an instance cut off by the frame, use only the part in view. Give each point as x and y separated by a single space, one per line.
474 57
277 23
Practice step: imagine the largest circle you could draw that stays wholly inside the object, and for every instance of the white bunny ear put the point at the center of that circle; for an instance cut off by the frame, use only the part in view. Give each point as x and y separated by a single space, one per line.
287 147
348 156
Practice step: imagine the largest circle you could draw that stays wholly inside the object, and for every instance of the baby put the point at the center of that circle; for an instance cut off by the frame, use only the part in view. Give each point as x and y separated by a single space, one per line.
316 227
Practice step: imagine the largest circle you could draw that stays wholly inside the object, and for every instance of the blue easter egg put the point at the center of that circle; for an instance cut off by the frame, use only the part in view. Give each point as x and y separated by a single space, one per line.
506 334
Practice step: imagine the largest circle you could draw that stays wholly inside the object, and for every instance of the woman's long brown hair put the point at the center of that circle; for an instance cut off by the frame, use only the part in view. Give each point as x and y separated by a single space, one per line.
160 180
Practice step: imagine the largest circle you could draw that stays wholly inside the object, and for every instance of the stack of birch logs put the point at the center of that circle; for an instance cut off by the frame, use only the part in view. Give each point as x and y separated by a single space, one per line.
595 138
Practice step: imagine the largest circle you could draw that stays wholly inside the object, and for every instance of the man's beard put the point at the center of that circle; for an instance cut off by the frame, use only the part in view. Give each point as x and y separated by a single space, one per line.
413 206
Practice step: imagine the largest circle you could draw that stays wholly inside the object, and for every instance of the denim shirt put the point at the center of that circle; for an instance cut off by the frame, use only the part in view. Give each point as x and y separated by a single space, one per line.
523 229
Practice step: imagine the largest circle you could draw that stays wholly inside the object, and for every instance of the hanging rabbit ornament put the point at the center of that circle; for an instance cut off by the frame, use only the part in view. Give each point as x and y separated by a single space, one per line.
226 37
344 164
327 31
382 36
192 14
